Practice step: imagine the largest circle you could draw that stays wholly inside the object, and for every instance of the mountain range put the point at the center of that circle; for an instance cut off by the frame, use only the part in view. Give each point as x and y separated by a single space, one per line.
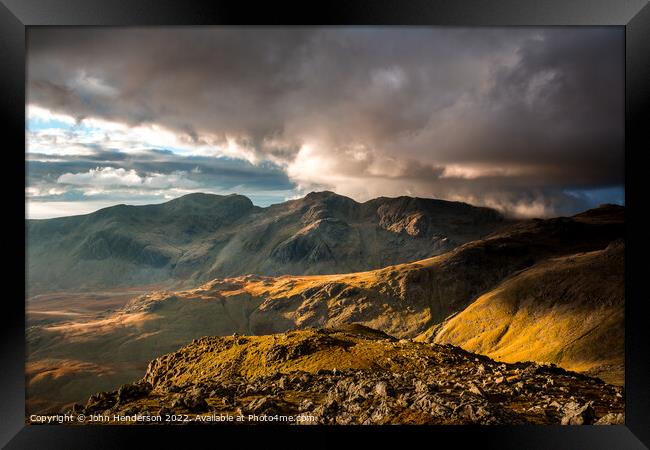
199 237
545 290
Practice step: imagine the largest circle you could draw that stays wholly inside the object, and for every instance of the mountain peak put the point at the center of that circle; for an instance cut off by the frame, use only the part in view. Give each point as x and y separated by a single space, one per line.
324 195
199 200
204 197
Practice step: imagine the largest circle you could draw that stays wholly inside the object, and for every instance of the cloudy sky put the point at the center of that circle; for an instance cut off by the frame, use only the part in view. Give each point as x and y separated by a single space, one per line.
526 120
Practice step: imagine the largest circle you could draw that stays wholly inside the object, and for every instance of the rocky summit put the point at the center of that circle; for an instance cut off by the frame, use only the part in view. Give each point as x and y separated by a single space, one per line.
353 375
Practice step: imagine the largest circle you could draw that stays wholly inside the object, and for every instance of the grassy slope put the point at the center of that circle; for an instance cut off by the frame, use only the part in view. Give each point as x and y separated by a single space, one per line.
567 311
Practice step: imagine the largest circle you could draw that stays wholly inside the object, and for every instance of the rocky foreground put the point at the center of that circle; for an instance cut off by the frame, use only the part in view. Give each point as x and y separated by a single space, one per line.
353 375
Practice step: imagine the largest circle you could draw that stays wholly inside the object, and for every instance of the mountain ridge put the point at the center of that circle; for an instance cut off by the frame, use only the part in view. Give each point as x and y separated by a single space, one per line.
201 236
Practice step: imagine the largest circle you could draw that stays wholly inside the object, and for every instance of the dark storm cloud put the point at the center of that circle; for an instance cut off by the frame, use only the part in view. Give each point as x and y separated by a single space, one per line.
497 116
560 106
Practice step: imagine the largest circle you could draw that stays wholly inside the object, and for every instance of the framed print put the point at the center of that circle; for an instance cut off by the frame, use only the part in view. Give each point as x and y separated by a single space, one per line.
371 218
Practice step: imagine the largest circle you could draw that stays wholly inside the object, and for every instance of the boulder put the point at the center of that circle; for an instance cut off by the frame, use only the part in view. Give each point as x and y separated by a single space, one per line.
576 414
384 389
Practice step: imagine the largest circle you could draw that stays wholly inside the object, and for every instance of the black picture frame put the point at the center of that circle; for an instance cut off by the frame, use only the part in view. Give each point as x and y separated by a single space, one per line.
634 15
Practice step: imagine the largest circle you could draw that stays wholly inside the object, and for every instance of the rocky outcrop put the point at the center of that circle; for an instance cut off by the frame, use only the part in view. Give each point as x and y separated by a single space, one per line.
379 380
